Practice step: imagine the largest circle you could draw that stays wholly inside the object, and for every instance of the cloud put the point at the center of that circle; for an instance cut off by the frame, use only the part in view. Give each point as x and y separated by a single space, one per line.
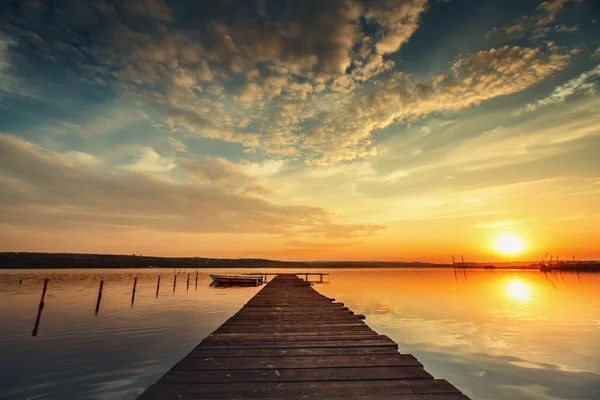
345 131
39 189
177 145
80 157
398 20
263 169
543 15
547 135
500 224
216 171
148 160
4 45
273 61
596 54
586 83
302 80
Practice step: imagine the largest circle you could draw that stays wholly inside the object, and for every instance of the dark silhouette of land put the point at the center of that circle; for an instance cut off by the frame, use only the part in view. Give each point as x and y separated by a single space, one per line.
67 260
21 260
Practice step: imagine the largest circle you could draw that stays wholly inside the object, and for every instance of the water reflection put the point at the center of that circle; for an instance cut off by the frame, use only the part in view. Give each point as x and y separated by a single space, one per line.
486 333
518 290
495 335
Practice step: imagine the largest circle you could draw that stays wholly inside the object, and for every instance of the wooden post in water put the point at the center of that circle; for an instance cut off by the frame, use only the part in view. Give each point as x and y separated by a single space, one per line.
306 278
133 292
188 283
36 326
321 277
44 290
174 283
196 280
157 286
99 297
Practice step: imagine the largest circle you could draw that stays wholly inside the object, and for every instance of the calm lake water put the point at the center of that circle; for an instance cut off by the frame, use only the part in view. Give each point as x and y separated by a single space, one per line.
493 334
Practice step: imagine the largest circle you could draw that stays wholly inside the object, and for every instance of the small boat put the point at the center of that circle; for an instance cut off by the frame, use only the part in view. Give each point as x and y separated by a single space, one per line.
238 279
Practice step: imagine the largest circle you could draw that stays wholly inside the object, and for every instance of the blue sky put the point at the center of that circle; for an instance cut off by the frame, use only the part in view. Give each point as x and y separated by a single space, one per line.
402 129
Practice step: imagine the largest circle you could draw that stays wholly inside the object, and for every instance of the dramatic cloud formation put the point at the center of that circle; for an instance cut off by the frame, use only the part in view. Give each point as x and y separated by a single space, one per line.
301 70
345 132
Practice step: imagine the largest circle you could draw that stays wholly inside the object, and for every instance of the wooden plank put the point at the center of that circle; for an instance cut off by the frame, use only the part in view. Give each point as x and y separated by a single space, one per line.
287 344
432 386
306 320
296 375
233 363
290 328
203 351
277 391
293 335
289 389
350 321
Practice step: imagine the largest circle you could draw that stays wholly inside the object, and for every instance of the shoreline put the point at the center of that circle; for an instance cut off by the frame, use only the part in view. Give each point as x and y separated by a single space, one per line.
18 260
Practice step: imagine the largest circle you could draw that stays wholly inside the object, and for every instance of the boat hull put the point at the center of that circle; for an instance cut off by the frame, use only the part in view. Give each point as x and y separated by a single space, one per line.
238 279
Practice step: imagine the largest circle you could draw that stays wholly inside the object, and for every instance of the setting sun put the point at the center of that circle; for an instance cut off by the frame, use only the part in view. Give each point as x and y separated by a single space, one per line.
509 243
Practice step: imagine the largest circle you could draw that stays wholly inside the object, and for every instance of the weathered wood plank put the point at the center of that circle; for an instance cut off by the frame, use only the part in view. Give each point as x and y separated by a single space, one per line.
334 335
233 363
203 351
296 375
287 344
307 389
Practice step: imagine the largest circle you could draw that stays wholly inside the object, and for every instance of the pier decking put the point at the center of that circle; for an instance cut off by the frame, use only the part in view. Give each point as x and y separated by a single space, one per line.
290 342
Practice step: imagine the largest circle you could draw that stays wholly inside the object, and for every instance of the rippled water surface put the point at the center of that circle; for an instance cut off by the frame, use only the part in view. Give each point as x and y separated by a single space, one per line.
493 334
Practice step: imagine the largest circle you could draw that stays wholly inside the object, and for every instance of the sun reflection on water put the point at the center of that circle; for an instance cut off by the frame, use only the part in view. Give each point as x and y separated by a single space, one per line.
518 290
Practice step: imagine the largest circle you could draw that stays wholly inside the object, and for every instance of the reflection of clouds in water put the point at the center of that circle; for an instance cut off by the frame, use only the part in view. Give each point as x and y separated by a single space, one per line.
537 392
380 309
458 336
485 345
482 376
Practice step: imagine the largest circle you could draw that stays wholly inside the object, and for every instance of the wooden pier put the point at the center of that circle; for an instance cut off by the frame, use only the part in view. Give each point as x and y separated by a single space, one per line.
290 342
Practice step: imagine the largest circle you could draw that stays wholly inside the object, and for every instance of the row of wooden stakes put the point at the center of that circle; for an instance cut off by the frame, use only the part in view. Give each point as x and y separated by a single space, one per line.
47 281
